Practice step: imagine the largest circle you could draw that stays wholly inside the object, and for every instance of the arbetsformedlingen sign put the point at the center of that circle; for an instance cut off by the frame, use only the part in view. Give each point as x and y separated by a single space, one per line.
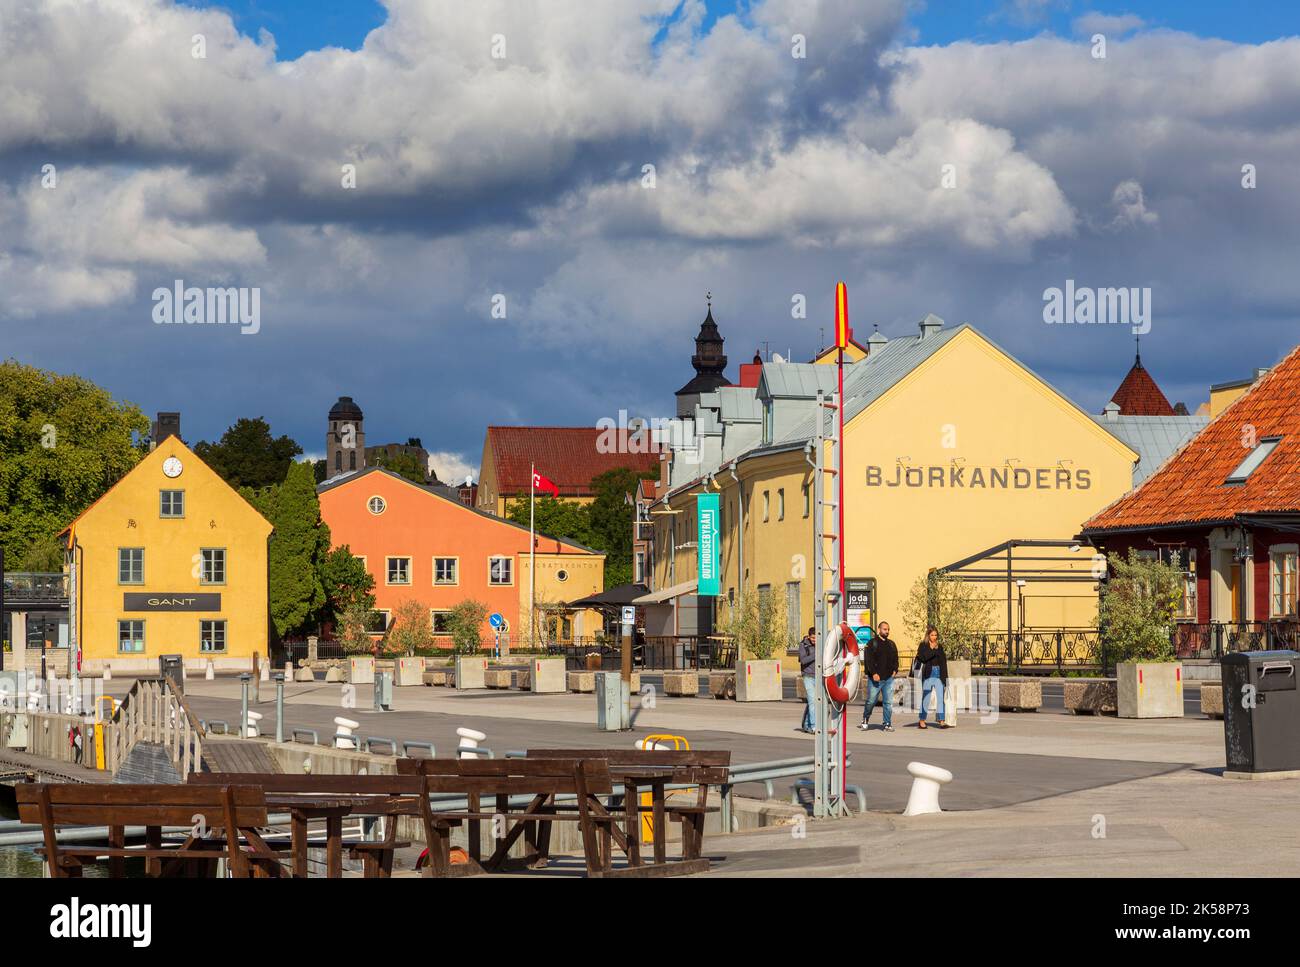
706 513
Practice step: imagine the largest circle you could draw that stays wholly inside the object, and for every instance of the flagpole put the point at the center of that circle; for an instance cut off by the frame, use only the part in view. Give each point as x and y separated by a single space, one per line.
532 560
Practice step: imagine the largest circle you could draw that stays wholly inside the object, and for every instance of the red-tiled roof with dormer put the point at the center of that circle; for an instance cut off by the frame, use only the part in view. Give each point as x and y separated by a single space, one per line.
1192 486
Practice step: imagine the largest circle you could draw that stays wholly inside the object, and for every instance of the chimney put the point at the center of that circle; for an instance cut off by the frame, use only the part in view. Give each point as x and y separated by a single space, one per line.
1111 412
167 424
930 325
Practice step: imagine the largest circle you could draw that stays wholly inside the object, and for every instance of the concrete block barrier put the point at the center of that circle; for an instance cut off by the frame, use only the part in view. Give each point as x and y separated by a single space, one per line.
1019 694
1095 697
582 681
722 684
681 683
1212 699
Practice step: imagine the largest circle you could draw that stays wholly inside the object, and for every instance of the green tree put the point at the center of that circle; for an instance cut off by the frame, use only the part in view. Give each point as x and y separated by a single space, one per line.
1138 605
556 518
756 623
612 514
411 630
248 456
297 552
466 624
959 611
63 442
354 631
346 582
407 465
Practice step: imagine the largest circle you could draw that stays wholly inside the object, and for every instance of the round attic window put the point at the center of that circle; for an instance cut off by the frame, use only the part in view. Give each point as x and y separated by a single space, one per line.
376 505
561 575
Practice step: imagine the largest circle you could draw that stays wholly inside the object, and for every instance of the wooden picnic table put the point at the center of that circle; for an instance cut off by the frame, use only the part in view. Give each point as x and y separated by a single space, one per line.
302 809
634 778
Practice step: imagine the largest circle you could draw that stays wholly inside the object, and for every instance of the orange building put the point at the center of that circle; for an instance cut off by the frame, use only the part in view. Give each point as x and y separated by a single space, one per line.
424 543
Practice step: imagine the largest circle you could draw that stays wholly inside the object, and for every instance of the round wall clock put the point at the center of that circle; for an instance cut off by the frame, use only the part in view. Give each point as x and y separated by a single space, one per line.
172 467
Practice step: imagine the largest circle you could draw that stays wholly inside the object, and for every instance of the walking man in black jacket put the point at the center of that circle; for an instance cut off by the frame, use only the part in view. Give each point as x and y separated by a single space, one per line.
807 669
880 664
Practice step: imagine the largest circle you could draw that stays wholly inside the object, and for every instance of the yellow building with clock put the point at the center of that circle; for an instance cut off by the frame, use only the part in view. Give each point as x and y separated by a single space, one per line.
170 561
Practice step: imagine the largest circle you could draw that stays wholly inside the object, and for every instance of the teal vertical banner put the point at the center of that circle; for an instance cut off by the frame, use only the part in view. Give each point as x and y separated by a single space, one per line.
707 509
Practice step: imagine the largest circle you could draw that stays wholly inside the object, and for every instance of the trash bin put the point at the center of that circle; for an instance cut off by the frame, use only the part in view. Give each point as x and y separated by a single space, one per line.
173 667
1261 711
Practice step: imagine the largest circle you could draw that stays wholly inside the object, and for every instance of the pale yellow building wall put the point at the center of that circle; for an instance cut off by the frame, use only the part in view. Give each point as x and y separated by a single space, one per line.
970 406
584 576
1221 399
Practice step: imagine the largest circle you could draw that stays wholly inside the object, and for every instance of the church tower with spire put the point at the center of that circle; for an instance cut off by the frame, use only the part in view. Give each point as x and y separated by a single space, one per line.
1138 394
709 361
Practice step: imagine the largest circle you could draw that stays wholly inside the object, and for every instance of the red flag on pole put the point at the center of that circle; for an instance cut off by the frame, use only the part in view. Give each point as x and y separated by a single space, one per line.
545 483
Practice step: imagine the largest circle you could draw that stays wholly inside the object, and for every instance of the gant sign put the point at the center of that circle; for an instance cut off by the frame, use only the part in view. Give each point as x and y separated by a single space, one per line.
981 478
143 601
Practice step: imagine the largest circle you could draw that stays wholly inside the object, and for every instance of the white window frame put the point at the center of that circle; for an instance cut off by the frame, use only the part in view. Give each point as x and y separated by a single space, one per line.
510 561
1283 551
410 575
455 564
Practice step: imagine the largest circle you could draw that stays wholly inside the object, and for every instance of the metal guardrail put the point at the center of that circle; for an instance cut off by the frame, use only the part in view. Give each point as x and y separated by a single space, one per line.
294 733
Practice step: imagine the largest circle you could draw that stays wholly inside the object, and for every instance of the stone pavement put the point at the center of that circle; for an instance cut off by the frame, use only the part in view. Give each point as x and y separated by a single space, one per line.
1188 823
1030 789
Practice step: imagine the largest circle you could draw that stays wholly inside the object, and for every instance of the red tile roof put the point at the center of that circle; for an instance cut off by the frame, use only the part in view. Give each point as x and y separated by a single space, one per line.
1139 395
1190 487
568 455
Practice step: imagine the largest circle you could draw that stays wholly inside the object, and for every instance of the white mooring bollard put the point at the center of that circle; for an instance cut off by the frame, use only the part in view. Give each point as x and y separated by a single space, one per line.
469 740
210 672
926 780
251 729
345 727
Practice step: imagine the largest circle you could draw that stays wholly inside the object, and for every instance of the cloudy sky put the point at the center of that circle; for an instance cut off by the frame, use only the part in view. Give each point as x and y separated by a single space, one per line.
953 157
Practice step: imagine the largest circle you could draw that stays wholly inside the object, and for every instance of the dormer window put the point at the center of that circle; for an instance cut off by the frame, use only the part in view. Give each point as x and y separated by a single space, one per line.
1253 460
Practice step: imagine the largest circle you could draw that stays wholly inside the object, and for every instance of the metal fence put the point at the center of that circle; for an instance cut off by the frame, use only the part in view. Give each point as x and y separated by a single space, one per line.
1069 649
656 653
1215 639
1059 649
29 586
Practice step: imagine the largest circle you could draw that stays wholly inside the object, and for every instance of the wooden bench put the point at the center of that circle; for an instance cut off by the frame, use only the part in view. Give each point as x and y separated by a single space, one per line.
388 796
222 821
498 780
700 767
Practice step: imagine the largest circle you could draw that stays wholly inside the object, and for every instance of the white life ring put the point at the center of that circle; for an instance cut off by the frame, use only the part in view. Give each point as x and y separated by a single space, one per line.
841 657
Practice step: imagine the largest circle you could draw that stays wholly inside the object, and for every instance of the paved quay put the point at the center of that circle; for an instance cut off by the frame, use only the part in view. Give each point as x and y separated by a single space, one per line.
1034 794
1017 758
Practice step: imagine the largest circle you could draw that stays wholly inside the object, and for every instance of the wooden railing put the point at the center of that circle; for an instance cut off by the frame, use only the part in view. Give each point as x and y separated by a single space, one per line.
153 711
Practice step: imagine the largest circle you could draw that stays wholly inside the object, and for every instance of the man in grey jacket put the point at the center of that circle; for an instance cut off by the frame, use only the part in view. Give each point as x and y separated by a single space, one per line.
807 667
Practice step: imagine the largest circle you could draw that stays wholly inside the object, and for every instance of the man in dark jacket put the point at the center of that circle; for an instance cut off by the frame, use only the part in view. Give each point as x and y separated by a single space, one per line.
807 669
879 665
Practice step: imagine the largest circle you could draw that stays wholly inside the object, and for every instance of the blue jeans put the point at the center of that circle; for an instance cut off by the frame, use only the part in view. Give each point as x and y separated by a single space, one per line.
885 691
809 719
932 684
